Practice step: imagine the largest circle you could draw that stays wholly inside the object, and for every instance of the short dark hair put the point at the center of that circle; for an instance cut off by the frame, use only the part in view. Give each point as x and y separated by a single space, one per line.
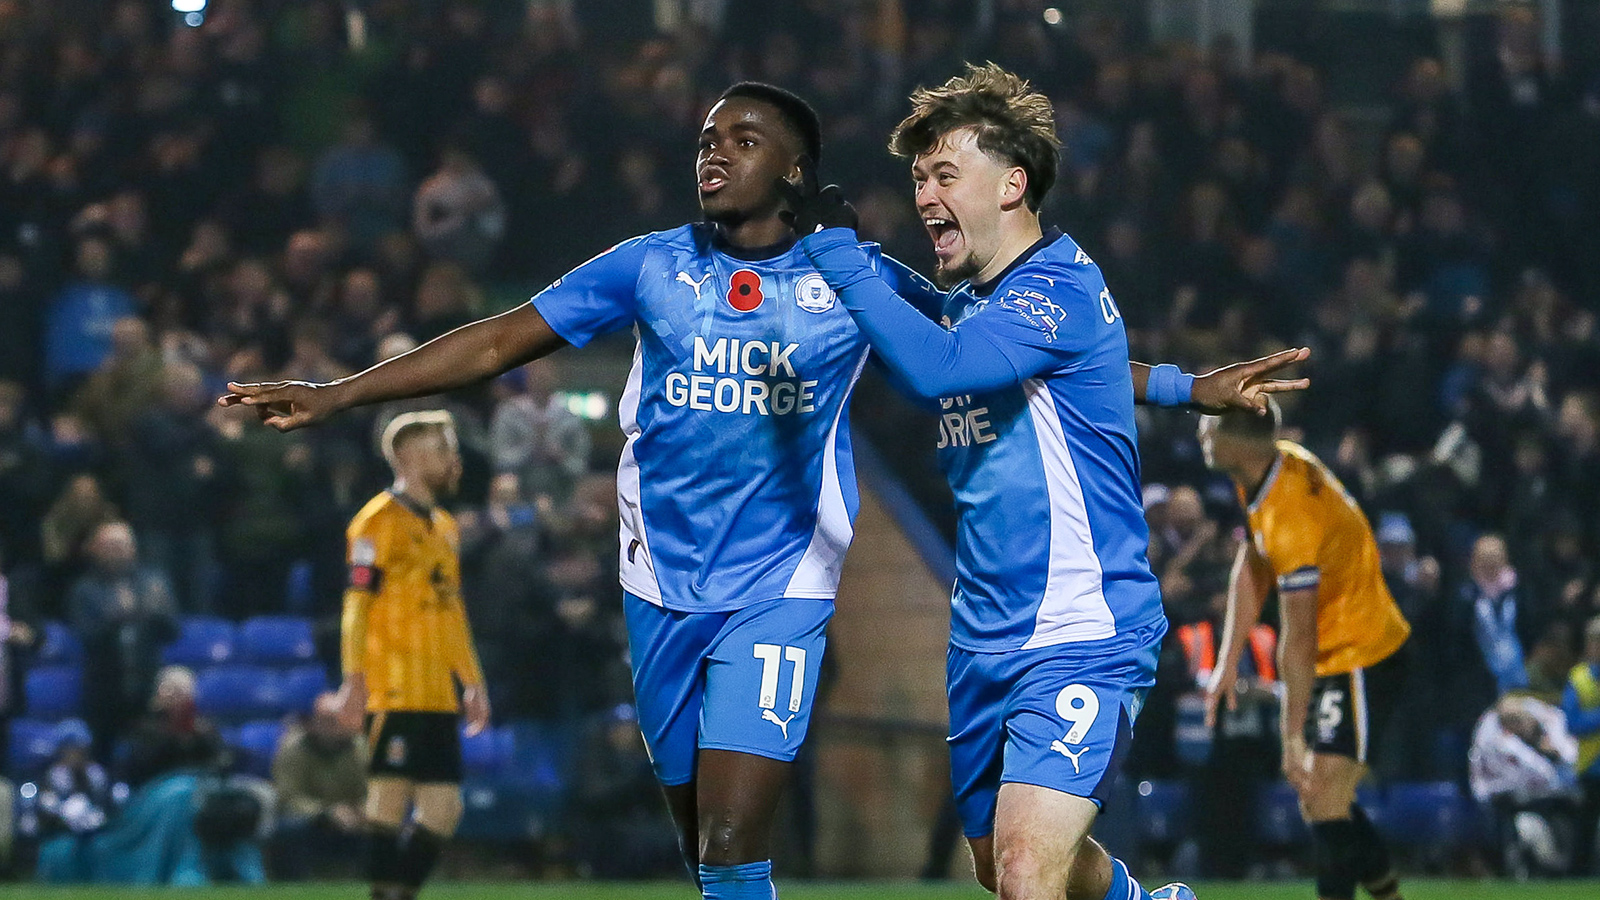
1015 124
795 110
1252 426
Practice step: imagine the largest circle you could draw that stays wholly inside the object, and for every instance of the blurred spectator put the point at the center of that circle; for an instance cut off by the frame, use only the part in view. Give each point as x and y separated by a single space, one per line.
264 477
1491 625
446 299
359 184
361 319
458 214
534 435
172 736
123 612
170 477
1414 582
320 772
311 354
1522 765
1580 702
75 793
1550 659
273 205
122 387
77 511
1186 556
502 569
82 318
306 270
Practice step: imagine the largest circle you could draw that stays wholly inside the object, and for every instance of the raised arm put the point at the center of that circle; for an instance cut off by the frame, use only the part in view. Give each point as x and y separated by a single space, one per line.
926 358
468 354
931 361
595 298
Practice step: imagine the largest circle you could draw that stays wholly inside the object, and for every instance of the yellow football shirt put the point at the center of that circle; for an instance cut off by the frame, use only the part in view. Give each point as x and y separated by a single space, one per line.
404 623
1313 535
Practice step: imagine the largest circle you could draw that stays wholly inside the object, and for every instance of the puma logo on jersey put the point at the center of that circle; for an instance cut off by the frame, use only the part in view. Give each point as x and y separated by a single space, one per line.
1062 749
684 277
768 715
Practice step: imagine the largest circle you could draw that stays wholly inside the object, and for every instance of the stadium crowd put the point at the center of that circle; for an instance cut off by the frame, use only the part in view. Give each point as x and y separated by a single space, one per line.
295 190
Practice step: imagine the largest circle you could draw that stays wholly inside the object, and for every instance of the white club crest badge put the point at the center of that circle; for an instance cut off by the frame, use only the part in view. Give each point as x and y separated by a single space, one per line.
813 294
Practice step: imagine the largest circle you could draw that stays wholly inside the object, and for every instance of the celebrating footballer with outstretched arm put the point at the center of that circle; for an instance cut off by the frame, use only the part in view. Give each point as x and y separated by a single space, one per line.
1056 618
736 485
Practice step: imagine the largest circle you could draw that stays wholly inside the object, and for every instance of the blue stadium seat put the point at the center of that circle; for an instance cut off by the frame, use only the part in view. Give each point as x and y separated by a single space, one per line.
1433 813
236 692
54 692
498 810
277 640
487 753
541 754
1278 816
202 641
59 646
32 743
257 743
1163 811
301 685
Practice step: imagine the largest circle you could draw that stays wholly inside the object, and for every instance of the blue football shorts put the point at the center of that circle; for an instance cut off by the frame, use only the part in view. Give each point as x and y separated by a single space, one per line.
1058 717
741 680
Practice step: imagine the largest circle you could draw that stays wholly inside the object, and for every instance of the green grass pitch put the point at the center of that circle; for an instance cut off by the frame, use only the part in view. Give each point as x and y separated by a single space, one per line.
889 890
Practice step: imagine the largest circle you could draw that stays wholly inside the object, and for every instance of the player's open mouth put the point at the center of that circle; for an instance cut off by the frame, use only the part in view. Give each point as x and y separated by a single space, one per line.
712 180
946 235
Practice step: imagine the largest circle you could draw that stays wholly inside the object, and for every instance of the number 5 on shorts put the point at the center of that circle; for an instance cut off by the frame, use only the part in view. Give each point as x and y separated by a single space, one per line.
768 654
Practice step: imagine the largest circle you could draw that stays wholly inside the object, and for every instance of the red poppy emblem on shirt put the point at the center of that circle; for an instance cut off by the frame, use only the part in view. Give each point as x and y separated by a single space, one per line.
744 291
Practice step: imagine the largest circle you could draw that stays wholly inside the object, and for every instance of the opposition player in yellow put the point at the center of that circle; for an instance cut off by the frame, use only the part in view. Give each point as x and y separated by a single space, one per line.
1339 633
406 645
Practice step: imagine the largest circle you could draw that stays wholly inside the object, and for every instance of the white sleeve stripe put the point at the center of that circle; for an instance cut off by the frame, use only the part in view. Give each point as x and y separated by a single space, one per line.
1300 579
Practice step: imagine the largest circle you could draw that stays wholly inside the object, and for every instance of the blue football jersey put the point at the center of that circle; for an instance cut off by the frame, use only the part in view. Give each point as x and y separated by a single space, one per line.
736 483
1052 540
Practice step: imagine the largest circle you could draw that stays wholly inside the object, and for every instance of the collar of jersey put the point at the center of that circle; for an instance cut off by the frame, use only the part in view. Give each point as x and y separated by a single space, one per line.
751 254
423 512
1267 482
1051 235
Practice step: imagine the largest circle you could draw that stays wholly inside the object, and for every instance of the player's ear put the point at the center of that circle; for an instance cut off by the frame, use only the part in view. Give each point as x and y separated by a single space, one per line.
1013 187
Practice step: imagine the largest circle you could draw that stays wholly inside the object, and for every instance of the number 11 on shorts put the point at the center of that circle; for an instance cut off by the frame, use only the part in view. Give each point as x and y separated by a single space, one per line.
769 655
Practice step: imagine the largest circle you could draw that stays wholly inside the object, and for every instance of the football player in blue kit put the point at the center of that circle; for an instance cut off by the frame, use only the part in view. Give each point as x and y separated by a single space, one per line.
736 487
1056 618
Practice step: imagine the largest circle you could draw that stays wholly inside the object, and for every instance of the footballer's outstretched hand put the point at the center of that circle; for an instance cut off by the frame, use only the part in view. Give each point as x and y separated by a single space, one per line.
811 209
1245 385
285 405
